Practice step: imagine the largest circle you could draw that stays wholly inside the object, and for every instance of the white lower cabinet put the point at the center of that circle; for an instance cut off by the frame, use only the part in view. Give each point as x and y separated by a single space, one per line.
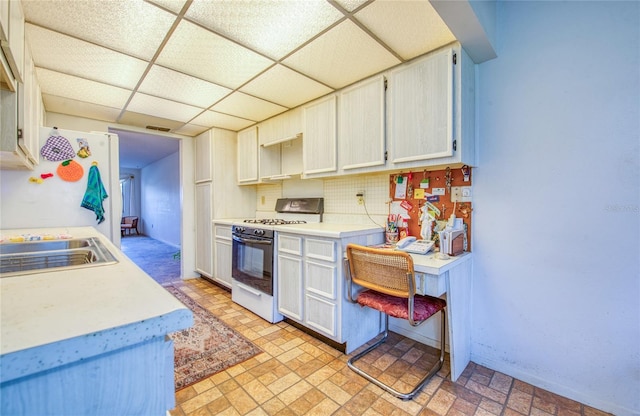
223 254
311 289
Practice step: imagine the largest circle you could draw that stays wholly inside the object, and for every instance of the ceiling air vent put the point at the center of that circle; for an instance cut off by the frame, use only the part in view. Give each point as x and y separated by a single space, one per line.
165 129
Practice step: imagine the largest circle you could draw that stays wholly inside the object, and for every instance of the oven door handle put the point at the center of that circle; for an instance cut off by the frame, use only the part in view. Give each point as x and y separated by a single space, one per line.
252 241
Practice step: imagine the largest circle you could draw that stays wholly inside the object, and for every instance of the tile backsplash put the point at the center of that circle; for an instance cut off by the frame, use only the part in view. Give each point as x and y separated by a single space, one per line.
340 202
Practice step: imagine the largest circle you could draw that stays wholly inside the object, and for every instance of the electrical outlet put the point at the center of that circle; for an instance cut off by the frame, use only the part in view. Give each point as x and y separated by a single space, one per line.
461 194
360 196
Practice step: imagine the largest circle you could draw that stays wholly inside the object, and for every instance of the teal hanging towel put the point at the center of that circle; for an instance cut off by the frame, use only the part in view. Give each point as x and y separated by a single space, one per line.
95 194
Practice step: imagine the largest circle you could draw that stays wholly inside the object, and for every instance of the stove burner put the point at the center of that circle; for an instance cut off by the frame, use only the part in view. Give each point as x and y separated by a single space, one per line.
274 221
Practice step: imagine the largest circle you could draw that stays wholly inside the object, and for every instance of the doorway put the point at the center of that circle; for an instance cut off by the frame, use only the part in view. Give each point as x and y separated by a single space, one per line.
152 191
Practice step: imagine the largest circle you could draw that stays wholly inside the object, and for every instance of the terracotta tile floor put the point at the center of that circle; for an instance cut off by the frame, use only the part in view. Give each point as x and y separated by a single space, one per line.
299 375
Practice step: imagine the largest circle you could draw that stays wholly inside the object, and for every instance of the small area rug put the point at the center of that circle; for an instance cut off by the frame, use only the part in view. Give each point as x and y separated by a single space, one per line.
206 348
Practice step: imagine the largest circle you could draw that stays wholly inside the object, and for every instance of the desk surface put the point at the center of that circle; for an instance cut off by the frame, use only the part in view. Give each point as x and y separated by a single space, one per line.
431 263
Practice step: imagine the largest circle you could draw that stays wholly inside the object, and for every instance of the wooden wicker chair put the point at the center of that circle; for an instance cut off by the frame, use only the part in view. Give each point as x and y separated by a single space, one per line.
128 224
388 279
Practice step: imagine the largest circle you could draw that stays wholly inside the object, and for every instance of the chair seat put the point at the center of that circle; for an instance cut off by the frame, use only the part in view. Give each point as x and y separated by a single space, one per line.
424 306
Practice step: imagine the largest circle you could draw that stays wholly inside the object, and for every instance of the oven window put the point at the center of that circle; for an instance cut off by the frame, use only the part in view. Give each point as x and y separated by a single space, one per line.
251 261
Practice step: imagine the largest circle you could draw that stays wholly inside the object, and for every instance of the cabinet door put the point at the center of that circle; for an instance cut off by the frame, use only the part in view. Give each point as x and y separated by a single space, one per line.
203 157
319 148
322 315
248 156
361 133
223 262
14 47
421 109
290 290
203 229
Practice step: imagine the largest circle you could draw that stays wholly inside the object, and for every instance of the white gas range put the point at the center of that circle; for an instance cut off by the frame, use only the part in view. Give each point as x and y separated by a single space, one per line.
254 285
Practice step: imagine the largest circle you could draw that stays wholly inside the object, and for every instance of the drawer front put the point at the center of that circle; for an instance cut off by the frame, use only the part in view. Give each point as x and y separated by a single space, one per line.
321 249
431 284
321 316
290 244
321 279
223 232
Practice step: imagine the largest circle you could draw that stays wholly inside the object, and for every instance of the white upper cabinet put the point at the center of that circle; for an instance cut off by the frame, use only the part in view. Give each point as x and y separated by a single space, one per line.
320 135
203 158
248 156
12 42
361 126
280 141
421 109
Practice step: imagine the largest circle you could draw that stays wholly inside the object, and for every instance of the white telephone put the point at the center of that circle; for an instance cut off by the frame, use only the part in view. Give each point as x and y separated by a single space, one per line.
412 245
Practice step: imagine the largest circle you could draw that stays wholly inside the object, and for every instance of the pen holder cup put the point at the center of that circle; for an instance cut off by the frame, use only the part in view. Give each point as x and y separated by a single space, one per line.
392 238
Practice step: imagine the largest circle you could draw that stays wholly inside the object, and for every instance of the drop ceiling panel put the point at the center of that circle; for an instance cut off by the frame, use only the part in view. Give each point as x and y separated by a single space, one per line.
273 28
68 55
351 5
172 5
84 109
196 51
79 89
212 118
176 86
246 106
113 23
342 56
411 28
143 120
191 130
285 86
159 107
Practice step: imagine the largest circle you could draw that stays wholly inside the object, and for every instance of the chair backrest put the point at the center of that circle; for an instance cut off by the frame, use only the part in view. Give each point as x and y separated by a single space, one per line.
130 220
383 270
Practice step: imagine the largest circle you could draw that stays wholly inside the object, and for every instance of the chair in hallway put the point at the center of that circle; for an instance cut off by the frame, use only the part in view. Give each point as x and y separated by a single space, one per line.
128 224
387 277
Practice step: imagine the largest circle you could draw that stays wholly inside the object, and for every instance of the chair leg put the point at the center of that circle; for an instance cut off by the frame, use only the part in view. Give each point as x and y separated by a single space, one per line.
404 396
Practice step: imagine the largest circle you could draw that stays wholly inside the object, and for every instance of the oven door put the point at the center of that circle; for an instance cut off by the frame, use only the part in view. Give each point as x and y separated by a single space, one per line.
253 262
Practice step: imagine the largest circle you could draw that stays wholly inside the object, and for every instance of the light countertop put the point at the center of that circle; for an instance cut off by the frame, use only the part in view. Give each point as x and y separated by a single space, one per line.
330 230
52 318
431 263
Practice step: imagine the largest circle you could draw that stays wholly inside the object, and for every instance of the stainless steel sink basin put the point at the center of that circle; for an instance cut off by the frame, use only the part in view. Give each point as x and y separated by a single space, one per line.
43 256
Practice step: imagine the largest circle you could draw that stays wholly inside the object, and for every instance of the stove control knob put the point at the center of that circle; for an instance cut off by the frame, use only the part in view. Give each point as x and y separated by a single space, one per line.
259 232
240 229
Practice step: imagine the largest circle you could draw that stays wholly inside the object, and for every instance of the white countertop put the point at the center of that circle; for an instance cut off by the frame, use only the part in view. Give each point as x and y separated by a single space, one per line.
48 319
431 263
330 230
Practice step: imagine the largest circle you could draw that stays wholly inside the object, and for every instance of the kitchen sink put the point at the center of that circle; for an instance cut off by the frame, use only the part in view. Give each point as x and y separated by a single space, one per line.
52 255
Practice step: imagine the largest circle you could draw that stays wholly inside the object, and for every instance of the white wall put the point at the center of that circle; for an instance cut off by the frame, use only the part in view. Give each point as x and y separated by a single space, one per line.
161 201
556 296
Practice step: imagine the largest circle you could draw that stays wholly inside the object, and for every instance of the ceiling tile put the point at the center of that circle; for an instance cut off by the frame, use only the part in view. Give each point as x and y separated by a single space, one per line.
112 23
196 51
79 89
159 107
274 27
166 83
246 106
68 55
173 5
84 109
143 120
342 56
351 5
284 86
191 130
213 119
411 28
